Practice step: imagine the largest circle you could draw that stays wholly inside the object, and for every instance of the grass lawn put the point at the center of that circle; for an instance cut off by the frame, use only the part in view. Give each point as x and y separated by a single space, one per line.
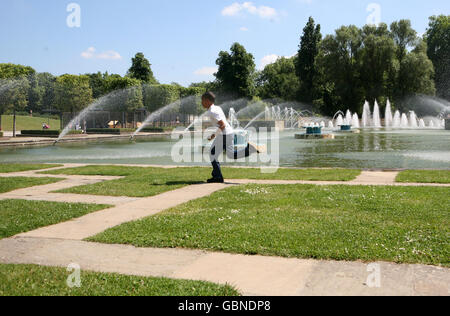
13 183
19 216
32 280
424 176
142 182
398 224
27 123
8 168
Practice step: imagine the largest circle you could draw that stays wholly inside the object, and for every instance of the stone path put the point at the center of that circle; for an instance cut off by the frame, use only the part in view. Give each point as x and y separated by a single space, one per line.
61 244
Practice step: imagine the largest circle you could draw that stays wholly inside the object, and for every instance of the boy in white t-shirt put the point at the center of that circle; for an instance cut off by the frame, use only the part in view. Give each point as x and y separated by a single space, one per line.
223 138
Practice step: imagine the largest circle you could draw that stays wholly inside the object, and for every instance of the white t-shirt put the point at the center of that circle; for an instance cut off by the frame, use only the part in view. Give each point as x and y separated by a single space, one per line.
216 115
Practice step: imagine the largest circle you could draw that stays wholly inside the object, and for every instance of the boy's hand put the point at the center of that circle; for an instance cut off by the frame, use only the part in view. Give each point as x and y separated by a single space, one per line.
210 138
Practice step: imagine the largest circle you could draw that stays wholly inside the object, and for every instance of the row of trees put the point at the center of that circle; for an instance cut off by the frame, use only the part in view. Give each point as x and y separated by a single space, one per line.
344 69
331 73
23 89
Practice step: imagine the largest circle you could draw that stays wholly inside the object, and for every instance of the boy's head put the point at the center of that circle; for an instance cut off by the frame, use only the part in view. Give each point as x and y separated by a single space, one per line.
208 99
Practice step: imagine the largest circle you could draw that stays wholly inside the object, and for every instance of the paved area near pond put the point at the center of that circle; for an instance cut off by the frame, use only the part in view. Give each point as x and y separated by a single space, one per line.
62 244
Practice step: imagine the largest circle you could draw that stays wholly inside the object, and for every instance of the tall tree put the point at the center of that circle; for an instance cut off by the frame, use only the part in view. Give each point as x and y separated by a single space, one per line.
236 71
438 40
14 88
141 69
72 93
306 58
127 94
416 73
279 80
404 36
340 60
377 62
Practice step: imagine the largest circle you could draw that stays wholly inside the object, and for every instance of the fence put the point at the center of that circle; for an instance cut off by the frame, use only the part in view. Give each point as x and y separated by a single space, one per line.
106 119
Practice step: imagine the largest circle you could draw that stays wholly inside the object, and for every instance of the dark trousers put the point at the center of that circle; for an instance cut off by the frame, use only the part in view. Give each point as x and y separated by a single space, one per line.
221 144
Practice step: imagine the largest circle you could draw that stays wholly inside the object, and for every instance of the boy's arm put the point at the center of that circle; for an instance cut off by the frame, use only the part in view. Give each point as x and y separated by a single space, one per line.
222 127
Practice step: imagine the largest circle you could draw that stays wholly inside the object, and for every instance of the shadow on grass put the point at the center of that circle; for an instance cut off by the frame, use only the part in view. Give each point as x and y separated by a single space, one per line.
174 183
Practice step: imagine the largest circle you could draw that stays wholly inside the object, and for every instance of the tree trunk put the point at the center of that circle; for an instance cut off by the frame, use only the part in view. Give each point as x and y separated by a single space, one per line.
14 123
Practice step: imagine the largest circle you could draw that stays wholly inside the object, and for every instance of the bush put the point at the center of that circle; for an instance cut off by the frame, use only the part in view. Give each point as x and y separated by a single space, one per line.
1 134
110 131
40 132
153 130
47 133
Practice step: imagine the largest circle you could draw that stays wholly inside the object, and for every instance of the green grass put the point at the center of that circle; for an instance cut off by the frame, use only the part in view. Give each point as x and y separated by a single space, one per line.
142 182
398 224
424 176
8 168
27 122
19 216
13 183
32 280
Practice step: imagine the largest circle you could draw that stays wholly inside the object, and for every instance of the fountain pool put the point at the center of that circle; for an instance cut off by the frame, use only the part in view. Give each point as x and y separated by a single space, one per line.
373 148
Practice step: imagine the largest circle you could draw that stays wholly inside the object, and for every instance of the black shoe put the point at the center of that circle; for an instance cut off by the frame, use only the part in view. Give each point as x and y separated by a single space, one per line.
216 180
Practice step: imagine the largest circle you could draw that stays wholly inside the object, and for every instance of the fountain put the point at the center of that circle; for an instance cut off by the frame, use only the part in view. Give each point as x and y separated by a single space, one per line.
366 117
355 121
376 116
388 119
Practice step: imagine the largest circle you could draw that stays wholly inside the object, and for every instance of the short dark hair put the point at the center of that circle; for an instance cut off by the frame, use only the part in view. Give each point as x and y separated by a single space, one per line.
209 96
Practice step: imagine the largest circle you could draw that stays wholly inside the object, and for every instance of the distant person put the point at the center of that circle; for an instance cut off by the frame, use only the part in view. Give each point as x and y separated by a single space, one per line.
223 138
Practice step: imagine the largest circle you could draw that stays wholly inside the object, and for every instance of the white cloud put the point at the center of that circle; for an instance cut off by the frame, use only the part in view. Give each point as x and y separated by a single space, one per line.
244 29
206 71
270 59
267 60
236 8
90 53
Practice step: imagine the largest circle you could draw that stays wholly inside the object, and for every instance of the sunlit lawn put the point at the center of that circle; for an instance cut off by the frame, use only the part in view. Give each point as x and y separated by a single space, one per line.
424 176
32 280
141 182
399 224
18 216
13 183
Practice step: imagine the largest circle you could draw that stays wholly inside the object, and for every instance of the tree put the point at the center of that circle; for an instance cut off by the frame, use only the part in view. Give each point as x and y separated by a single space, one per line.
404 36
417 72
141 69
305 60
279 80
377 62
14 88
339 59
72 93
158 96
438 40
127 95
41 92
236 71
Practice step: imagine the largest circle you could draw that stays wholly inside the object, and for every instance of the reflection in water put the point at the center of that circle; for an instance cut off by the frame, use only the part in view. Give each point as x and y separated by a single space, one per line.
370 149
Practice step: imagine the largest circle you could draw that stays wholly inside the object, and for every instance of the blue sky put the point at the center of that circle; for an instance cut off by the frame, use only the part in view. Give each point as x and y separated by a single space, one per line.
181 38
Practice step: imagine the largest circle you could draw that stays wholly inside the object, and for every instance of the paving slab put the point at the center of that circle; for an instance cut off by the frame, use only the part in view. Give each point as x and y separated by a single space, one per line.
251 275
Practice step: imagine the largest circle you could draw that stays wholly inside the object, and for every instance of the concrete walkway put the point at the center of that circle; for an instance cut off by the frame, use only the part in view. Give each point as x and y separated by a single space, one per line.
61 244
251 275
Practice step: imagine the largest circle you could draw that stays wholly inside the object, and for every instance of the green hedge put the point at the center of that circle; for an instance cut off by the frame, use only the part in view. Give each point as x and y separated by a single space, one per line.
154 130
110 131
47 133
40 132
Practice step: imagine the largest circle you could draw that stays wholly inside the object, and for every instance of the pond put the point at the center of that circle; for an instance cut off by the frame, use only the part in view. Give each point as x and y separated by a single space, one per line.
371 149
